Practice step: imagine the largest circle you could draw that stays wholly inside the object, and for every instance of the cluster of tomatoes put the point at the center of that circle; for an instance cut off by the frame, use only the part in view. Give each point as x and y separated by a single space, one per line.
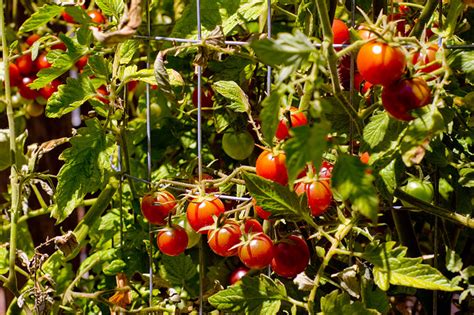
381 63
23 71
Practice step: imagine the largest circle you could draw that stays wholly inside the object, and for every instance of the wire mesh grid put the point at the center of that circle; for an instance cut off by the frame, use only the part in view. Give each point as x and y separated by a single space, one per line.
198 71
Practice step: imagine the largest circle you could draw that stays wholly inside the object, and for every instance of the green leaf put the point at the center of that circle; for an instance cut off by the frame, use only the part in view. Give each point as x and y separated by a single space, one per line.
375 298
70 96
59 270
374 131
100 66
128 49
252 295
392 267
307 145
246 12
79 15
86 168
418 134
351 180
111 7
277 199
286 49
3 260
61 62
453 261
40 18
233 92
177 269
270 115
162 77
335 303
84 36
5 156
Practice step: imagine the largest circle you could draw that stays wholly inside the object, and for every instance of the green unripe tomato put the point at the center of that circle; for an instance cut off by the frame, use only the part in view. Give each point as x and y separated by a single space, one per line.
422 190
238 145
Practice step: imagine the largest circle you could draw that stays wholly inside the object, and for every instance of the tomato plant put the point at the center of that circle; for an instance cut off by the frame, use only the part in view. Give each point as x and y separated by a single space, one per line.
25 64
272 166
420 189
252 226
172 241
318 193
238 274
400 98
224 239
238 145
380 63
202 210
257 252
42 62
297 119
340 32
290 256
157 206
207 95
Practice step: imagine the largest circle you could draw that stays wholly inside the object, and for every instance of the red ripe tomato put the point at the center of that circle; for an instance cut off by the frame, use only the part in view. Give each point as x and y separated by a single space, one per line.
257 253
82 62
42 62
426 57
318 193
172 241
262 213
32 39
223 239
96 16
238 274
405 95
200 212
15 77
379 63
60 46
49 89
24 89
252 226
365 157
360 84
206 97
67 18
297 119
157 206
340 32
364 32
272 167
25 64
290 256
132 85
325 172
102 92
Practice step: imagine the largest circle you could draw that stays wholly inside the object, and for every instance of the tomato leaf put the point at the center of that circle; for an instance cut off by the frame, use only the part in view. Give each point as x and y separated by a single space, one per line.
351 180
335 303
86 168
128 49
374 131
307 145
40 18
375 298
162 77
453 261
59 270
61 62
252 295
245 12
178 269
3 260
70 96
269 116
392 267
286 49
111 7
79 15
277 199
233 92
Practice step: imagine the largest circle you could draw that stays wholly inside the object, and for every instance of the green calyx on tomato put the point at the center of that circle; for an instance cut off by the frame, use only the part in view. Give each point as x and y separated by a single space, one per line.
238 145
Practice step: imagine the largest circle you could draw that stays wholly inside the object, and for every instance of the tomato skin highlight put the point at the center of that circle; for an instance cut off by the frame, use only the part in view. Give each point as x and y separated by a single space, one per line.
172 241
290 256
405 95
224 238
318 193
252 226
200 212
427 57
42 62
380 63
257 253
156 207
238 274
297 119
272 167
96 16
25 90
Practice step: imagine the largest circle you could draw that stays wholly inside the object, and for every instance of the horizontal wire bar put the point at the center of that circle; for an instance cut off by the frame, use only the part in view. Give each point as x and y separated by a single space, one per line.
241 43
